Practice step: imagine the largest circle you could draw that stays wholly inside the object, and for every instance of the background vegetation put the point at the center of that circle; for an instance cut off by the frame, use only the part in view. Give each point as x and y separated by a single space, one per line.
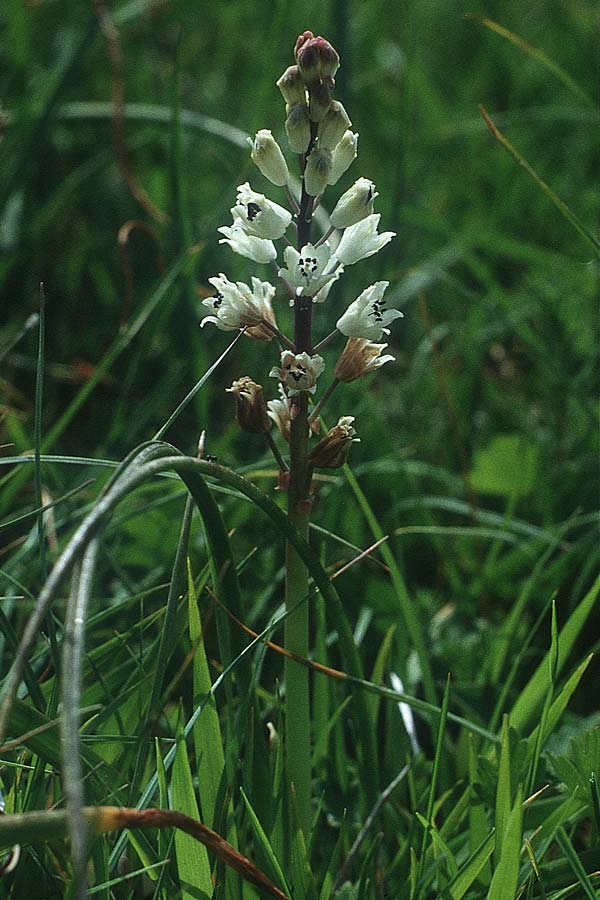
478 454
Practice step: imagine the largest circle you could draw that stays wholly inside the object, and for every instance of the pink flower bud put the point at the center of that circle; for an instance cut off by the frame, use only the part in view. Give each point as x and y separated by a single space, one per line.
316 58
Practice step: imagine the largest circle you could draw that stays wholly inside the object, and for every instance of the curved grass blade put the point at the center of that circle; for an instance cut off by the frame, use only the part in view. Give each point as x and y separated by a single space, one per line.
33 827
69 721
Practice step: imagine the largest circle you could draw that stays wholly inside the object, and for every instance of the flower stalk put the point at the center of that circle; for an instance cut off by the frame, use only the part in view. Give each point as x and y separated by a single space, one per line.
318 130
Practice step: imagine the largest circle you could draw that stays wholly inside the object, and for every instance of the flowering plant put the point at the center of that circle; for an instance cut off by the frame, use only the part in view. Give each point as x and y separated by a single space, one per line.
319 131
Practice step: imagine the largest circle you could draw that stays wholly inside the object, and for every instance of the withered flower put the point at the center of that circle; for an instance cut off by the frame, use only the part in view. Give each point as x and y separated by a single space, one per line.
332 451
250 406
359 357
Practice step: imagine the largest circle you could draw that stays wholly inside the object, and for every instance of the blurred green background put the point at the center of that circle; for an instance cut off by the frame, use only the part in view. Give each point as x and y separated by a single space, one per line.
486 418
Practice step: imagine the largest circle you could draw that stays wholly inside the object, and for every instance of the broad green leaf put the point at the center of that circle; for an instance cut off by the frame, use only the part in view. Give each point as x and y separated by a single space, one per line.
506 874
193 865
507 467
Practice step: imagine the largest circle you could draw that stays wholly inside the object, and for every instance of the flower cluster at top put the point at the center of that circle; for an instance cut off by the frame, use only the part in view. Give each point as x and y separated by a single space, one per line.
318 130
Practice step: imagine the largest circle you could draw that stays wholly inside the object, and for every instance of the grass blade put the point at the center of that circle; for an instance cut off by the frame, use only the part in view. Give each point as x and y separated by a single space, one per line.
528 702
506 875
192 860
562 207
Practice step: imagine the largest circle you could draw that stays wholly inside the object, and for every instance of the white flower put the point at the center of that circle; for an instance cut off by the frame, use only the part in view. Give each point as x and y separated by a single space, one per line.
267 156
236 306
257 249
343 156
367 317
360 357
355 204
259 216
362 240
298 372
309 270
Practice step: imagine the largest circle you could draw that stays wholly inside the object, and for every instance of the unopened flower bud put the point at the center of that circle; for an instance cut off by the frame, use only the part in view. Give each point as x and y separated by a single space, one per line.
320 99
343 156
333 126
359 357
316 58
267 156
332 451
250 406
297 127
292 86
355 204
317 171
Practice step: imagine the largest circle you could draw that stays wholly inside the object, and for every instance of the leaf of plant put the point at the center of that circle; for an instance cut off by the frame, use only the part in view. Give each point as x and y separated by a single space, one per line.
192 859
506 875
532 696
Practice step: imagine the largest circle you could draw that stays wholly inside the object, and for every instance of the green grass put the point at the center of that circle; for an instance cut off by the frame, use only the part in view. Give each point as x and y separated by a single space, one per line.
478 462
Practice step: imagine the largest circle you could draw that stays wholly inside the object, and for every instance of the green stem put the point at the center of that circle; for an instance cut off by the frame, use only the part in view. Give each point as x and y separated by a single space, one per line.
297 701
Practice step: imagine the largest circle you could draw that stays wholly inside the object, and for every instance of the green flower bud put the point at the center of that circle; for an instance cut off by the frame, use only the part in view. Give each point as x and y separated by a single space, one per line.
297 126
334 125
355 204
267 156
343 156
320 99
317 171
292 86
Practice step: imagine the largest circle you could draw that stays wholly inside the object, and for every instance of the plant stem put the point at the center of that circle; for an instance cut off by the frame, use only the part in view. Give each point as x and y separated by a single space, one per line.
297 733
